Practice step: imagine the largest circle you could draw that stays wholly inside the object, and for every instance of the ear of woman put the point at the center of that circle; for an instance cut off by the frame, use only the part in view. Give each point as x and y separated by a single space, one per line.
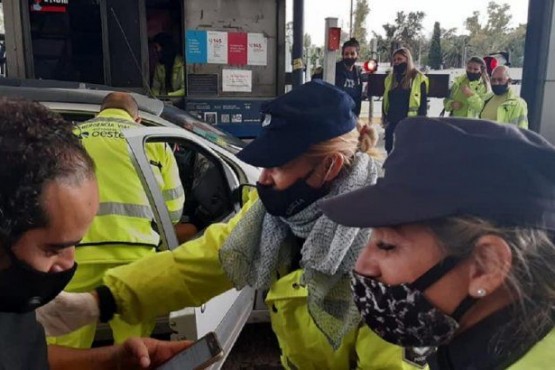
492 262
334 164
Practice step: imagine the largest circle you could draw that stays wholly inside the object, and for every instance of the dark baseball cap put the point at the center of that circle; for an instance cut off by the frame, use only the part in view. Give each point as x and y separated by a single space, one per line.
457 167
309 114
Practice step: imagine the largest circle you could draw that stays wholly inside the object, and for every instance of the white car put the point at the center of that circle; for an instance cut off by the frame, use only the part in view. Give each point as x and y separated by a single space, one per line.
215 186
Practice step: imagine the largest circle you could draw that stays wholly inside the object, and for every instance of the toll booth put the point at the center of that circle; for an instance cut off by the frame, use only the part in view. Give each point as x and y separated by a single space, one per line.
233 51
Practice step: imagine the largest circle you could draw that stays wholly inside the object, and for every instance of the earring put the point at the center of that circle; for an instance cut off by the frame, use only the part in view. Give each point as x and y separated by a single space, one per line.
481 293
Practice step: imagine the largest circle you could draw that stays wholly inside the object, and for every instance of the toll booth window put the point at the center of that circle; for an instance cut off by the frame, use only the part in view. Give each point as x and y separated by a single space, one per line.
67 41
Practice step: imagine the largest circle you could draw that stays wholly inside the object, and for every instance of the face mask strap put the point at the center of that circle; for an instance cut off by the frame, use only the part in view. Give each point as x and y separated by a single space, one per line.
463 307
435 273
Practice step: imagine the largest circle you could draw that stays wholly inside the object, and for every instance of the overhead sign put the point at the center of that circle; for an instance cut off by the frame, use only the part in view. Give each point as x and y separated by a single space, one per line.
49 6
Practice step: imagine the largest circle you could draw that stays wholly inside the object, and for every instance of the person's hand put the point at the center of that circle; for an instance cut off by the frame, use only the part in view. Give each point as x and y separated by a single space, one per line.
147 353
456 105
68 312
467 91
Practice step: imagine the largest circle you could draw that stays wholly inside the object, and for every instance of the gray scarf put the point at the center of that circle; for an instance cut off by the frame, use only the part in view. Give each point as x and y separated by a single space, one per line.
261 244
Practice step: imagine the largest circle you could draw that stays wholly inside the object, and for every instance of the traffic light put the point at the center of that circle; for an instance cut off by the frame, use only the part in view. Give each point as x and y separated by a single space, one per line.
370 66
491 63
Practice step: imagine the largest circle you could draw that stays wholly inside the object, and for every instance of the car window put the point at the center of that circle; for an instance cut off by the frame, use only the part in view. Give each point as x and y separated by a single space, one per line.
190 123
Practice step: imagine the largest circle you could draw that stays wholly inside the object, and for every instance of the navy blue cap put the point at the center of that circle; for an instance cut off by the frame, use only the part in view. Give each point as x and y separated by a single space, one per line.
457 167
309 114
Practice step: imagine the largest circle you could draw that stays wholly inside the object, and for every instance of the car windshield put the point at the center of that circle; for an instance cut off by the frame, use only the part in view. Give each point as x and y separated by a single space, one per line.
210 133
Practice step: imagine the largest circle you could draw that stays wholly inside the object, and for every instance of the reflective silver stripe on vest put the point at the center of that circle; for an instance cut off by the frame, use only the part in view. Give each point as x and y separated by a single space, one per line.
517 120
174 193
124 209
175 216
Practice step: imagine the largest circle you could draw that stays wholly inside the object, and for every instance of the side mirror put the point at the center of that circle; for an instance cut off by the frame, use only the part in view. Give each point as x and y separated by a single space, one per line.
241 194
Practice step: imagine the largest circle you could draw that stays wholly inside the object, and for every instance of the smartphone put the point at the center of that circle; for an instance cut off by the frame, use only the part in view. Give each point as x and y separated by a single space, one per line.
201 354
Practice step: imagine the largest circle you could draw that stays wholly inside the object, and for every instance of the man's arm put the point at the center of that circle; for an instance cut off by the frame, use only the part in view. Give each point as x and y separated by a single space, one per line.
135 353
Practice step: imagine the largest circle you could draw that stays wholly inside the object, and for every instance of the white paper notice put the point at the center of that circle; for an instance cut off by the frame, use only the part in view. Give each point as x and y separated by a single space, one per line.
217 47
236 80
257 49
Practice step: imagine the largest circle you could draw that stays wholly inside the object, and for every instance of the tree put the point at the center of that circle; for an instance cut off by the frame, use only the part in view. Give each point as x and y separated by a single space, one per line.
405 31
435 58
359 30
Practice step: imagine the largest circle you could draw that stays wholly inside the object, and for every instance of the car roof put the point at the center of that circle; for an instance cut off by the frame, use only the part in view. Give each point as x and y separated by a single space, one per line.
70 92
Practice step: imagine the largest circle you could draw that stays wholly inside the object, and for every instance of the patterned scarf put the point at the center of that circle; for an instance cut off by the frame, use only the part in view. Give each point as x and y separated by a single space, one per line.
262 244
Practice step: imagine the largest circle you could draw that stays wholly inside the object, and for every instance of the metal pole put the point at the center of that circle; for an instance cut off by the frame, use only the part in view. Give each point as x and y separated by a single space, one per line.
351 21
330 57
298 36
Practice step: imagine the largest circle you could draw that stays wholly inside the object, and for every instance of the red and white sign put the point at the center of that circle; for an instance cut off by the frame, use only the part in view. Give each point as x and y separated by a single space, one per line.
237 48
257 49
217 47
49 6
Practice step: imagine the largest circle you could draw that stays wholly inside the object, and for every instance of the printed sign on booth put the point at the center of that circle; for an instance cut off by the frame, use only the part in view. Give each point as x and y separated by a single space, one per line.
236 80
237 48
257 49
217 47
195 46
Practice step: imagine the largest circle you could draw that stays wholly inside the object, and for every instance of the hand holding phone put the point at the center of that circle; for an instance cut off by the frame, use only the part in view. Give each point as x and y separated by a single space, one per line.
201 354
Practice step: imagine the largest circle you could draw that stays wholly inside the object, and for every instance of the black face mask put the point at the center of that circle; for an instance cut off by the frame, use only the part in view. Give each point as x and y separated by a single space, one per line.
24 289
500 89
349 62
290 201
400 68
473 76
402 315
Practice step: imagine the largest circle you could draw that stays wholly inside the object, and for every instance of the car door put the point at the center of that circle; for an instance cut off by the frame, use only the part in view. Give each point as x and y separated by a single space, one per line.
227 313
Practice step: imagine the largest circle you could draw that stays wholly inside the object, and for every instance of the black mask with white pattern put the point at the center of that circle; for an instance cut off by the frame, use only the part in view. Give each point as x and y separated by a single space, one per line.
402 315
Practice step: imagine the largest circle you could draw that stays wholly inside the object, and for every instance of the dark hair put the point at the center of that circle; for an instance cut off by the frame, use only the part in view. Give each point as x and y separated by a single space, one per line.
36 146
531 279
352 43
169 51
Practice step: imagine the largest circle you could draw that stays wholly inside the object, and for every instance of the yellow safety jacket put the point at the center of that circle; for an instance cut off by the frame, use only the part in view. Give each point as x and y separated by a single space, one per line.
473 105
540 356
191 275
414 99
178 79
124 217
513 110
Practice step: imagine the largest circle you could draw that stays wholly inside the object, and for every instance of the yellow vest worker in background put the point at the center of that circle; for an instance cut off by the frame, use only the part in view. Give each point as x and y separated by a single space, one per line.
169 76
503 105
466 98
122 231
405 94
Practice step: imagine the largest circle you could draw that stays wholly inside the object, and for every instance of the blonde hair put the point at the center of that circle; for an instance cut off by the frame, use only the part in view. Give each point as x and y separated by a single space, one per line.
361 139
411 71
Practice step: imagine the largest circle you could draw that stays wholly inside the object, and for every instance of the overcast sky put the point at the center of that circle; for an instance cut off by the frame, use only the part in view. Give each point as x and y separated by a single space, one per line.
450 13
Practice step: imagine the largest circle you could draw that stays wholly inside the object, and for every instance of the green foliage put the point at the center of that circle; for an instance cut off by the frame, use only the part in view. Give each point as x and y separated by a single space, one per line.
359 30
495 35
405 31
435 57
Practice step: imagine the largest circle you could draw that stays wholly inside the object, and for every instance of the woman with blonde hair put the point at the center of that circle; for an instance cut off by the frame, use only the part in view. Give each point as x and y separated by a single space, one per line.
405 94
466 98
309 149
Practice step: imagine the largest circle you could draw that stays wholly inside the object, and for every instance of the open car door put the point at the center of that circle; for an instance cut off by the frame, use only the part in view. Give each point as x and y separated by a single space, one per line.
209 182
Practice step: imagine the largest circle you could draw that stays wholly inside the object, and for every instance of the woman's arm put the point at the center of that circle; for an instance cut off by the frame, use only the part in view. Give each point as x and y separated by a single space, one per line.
423 108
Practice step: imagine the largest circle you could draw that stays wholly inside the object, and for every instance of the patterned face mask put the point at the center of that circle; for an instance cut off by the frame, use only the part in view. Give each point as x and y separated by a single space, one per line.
402 315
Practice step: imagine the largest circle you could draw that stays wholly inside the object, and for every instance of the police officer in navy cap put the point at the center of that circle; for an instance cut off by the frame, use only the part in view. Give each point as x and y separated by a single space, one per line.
461 260
309 150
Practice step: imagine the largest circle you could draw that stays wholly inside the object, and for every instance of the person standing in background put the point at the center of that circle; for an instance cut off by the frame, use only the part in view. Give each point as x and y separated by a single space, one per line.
466 98
502 105
405 94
